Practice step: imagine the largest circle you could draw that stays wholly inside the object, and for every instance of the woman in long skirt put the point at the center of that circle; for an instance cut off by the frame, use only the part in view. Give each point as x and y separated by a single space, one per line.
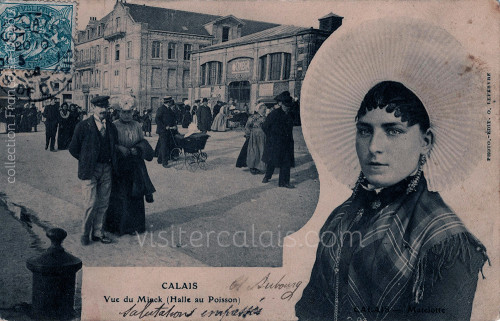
131 183
65 128
256 141
219 123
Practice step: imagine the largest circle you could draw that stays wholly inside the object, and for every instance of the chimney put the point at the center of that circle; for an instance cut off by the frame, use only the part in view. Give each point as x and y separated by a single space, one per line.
330 22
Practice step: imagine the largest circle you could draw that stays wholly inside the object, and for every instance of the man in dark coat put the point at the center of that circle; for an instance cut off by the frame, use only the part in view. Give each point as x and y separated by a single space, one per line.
94 144
146 122
278 150
204 116
166 128
33 119
51 114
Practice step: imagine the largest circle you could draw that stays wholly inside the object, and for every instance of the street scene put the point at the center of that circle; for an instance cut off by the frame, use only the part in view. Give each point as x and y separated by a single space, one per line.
202 204
219 215
220 197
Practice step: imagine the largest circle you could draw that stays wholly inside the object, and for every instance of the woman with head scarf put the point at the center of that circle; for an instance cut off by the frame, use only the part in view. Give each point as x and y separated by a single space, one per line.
131 183
257 140
394 250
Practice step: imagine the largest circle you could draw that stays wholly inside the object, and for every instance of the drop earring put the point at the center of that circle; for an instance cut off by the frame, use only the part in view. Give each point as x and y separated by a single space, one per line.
416 179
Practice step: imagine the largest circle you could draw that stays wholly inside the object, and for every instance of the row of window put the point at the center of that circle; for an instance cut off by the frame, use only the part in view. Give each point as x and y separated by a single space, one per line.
93 79
171 80
156 51
93 54
275 66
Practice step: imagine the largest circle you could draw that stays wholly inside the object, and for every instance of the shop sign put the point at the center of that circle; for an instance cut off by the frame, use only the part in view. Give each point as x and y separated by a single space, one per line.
240 68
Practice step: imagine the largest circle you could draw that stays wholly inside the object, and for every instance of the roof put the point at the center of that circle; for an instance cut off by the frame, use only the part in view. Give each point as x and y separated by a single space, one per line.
227 17
179 21
272 33
331 14
96 22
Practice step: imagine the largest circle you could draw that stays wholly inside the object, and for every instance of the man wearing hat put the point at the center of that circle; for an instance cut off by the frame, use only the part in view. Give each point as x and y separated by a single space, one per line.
93 144
278 150
51 114
204 116
167 129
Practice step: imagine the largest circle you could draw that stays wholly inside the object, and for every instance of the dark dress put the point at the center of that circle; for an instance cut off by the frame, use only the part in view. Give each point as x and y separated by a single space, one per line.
146 122
66 129
165 117
126 212
33 118
393 255
186 118
242 157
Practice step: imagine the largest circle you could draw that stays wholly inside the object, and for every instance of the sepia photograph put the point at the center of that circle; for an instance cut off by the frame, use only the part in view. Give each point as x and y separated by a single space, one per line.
262 160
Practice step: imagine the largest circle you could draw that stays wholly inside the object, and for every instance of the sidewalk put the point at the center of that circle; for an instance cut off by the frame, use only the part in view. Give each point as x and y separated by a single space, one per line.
18 243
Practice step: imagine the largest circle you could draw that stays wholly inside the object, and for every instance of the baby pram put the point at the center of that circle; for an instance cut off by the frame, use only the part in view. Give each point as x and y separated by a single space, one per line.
189 151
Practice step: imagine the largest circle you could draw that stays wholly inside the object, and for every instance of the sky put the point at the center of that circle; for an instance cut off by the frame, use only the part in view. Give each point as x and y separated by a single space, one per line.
299 13
464 19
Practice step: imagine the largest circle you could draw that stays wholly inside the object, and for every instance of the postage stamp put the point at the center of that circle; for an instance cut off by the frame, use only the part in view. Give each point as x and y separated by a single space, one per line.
35 34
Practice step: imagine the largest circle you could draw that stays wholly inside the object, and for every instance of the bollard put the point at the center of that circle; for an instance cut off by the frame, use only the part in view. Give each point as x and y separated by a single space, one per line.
54 276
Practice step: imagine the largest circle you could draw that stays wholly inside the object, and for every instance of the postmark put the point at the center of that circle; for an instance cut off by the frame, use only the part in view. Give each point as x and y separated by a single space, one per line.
35 34
34 85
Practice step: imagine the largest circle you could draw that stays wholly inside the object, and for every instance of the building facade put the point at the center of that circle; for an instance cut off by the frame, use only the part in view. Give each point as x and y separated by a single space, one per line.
258 66
147 51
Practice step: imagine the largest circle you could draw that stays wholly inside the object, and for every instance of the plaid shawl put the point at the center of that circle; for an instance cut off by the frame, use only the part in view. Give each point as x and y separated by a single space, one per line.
392 255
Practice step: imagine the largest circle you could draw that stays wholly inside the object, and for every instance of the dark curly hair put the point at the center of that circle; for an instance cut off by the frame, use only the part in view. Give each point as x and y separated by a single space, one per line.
395 97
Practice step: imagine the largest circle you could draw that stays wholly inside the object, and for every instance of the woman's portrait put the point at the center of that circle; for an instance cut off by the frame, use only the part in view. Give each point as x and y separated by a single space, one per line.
401 118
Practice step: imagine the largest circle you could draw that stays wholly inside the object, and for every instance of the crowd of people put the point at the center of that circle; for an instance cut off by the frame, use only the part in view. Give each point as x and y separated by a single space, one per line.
111 149
22 119
60 122
268 131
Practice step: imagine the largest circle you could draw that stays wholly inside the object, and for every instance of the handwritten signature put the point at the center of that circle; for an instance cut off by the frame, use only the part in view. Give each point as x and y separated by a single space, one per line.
268 283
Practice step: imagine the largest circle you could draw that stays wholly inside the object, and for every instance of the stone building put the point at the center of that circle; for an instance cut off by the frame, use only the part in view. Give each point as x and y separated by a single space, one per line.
260 65
146 51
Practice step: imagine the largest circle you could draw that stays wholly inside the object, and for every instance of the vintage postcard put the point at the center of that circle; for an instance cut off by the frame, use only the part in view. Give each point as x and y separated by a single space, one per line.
260 160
